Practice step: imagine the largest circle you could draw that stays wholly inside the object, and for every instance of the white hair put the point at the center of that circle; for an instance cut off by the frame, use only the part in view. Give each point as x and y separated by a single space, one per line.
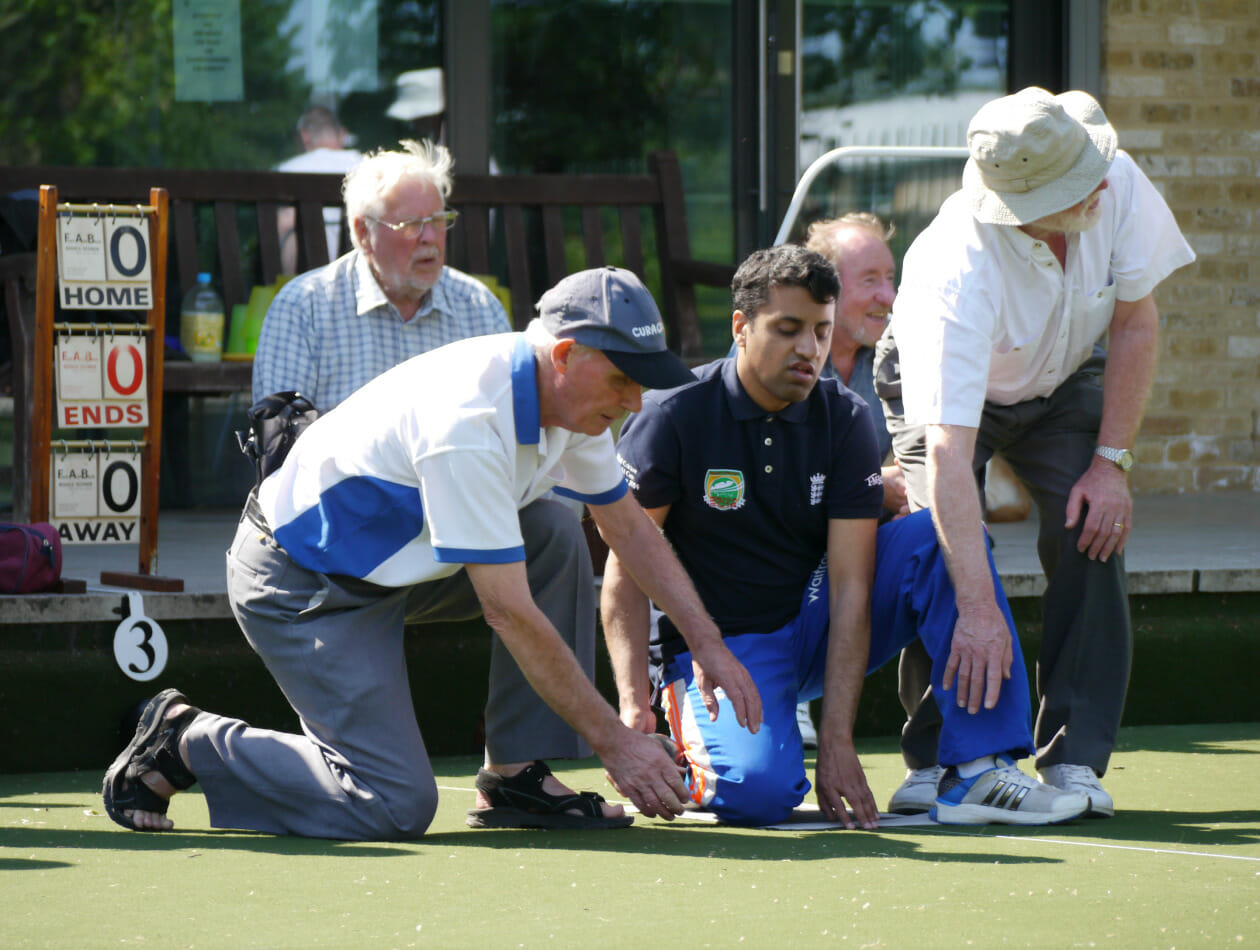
366 186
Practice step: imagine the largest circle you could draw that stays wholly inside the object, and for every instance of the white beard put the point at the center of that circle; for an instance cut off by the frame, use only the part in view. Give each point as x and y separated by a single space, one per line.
1074 220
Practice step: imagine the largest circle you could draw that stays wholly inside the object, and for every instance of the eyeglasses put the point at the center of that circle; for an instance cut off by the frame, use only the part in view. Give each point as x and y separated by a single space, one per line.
443 221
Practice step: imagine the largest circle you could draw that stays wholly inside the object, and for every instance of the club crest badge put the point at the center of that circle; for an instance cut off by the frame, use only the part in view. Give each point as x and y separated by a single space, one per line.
724 489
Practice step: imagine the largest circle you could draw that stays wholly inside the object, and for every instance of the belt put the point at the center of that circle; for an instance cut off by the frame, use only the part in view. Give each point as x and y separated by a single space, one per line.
255 516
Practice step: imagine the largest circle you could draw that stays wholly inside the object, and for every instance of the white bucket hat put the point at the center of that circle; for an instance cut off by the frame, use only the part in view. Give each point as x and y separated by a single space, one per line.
1033 154
420 94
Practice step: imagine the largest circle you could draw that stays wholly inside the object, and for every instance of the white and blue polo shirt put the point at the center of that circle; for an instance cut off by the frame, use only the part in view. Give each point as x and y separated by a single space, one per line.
424 469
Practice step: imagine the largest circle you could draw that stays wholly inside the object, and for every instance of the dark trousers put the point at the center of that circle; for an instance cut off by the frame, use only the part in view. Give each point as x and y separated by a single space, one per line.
1087 637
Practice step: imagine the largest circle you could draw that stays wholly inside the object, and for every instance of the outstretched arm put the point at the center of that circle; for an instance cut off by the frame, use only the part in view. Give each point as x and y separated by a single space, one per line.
625 612
850 573
637 766
980 654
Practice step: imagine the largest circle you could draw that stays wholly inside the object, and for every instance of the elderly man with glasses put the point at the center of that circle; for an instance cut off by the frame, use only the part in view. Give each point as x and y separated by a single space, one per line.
333 329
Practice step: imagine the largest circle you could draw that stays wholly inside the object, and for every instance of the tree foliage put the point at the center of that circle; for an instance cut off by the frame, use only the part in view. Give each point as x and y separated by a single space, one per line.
889 48
595 86
95 86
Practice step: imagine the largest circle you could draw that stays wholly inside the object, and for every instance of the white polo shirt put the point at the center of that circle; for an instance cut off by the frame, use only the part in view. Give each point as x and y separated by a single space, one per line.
985 312
425 468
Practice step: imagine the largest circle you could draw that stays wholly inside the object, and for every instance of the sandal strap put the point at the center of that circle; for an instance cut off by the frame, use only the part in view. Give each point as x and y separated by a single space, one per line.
167 759
524 791
142 798
589 803
161 754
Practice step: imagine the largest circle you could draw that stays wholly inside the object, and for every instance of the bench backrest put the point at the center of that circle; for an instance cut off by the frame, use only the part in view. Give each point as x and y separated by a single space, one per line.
17 300
533 229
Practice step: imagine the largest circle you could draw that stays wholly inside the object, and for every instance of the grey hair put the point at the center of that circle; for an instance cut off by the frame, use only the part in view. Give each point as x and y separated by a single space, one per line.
821 236
367 185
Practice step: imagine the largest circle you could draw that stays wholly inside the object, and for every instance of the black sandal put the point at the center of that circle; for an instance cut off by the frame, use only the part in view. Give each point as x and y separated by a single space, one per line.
155 747
520 802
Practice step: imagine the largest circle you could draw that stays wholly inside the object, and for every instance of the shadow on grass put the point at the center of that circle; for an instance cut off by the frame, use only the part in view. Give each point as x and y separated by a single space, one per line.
111 839
1200 829
709 841
686 841
1187 830
30 864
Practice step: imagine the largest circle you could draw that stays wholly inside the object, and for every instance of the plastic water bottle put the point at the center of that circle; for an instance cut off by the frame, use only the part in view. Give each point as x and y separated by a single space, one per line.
201 322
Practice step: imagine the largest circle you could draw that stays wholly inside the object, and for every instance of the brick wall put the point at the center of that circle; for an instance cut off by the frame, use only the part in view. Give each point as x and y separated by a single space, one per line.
1181 84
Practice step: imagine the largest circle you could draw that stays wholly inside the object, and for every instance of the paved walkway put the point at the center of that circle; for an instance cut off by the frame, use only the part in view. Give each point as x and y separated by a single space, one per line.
1181 544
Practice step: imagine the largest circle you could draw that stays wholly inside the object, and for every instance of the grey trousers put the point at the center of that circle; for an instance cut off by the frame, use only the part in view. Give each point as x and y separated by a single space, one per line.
1087 636
334 645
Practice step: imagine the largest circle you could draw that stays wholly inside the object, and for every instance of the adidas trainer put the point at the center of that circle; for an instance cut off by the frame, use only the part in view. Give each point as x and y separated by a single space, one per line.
1003 795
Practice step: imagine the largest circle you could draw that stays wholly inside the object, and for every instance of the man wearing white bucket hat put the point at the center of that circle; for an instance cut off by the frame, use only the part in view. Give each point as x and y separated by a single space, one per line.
1055 240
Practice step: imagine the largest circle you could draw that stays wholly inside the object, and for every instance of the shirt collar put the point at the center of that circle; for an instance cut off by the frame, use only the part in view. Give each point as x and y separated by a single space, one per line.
369 296
525 409
1029 247
742 406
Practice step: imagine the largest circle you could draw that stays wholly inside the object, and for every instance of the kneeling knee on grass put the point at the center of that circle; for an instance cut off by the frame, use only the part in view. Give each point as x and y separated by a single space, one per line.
758 795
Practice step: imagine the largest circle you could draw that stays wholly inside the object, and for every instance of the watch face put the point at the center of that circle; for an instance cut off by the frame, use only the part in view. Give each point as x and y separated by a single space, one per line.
1121 458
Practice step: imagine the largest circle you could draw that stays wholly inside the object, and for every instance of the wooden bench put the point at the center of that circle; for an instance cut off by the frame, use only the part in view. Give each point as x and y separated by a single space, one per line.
529 230
532 229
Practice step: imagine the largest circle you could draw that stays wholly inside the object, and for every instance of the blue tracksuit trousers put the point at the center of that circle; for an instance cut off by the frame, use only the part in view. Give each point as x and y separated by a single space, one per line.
758 779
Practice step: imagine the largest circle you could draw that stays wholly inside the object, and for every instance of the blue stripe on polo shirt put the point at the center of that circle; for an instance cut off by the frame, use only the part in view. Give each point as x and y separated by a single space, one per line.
525 393
603 498
358 524
479 555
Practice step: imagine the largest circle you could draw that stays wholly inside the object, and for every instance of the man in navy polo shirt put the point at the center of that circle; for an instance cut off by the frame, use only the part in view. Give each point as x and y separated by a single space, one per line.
766 481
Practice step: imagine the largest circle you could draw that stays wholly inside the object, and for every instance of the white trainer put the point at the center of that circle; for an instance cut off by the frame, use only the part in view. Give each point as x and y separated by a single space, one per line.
917 793
1081 778
805 722
1003 795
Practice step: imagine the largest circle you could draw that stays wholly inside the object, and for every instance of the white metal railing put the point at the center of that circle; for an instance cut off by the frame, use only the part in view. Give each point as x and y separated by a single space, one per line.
836 155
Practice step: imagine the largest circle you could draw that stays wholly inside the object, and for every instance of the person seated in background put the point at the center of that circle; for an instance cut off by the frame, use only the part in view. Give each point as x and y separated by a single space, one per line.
331 330
765 480
324 150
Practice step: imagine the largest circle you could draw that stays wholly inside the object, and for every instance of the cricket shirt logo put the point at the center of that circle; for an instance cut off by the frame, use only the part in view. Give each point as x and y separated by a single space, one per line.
724 488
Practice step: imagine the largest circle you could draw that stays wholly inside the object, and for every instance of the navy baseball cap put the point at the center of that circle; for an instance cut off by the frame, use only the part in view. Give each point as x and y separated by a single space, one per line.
609 309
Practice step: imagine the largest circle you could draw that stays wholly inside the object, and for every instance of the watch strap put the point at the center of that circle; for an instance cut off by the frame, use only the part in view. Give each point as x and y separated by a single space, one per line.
1116 456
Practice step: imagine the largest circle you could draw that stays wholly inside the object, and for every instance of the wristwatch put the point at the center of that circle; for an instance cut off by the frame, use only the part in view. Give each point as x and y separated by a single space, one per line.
1121 458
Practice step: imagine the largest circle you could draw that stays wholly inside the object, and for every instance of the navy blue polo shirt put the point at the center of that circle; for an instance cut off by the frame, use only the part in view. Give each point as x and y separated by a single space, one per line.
750 491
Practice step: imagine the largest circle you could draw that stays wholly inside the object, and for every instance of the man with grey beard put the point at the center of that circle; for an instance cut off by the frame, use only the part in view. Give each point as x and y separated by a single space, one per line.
1055 240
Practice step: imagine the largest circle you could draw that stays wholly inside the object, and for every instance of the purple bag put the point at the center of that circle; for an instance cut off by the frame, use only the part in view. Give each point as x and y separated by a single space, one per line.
30 558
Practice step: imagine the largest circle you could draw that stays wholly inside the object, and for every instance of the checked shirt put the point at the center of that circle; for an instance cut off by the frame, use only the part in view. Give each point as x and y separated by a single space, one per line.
332 329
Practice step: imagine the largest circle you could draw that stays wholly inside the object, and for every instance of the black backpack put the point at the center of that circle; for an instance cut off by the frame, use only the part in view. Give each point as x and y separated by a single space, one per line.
275 422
